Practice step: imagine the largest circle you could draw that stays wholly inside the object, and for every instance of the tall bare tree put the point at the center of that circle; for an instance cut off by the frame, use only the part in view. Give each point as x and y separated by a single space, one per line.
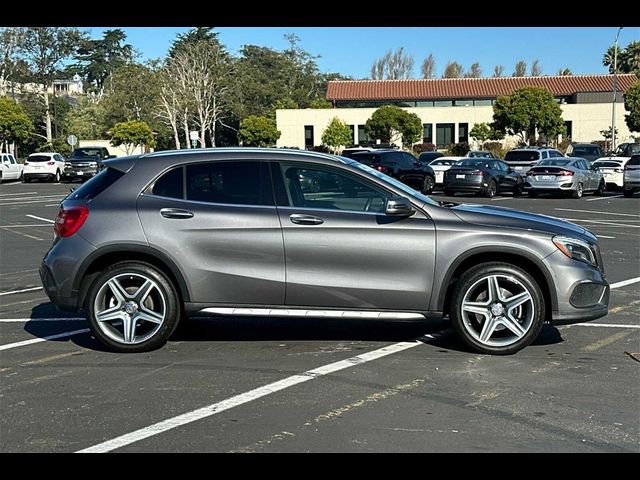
396 65
169 107
10 41
453 70
474 71
536 68
498 71
429 67
44 49
521 69
565 72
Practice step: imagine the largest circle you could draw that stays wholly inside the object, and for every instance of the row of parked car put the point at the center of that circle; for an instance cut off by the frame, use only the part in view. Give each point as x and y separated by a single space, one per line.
82 164
531 169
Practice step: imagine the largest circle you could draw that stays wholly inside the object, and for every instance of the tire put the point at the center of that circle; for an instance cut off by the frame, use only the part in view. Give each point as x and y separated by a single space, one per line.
579 191
159 307
427 186
600 191
490 192
21 176
533 194
517 189
26 179
56 178
511 329
628 193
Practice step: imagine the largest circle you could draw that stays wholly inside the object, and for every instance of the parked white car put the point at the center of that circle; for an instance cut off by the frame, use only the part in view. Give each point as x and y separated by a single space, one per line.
43 165
10 169
612 169
441 165
632 176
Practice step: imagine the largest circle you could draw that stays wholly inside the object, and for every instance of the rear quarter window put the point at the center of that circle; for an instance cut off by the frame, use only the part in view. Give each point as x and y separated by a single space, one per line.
98 184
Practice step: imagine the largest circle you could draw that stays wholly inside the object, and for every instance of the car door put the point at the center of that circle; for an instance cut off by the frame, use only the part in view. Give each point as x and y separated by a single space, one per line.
584 173
509 179
11 168
59 159
342 251
219 223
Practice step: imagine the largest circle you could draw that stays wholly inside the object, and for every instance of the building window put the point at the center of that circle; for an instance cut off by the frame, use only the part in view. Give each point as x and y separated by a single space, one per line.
362 135
308 136
353 129
444 134
482 102
463 103
427 133
443 103
463 132
568 127
424 104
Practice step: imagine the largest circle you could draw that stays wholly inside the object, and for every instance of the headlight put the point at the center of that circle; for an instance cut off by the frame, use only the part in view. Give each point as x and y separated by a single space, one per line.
68 165
576 249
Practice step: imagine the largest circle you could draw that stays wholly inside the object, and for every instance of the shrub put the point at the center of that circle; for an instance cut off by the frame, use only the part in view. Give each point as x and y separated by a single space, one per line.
418 148
564 145
496 148
320 148
459 149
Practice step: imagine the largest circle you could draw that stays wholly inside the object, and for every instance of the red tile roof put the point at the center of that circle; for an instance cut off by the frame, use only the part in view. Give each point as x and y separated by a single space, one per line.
452 88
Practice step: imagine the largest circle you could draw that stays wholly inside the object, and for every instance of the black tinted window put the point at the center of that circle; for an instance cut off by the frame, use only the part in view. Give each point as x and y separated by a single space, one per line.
38 158
635 160
170 184
521 156
96 185
367 158
236 183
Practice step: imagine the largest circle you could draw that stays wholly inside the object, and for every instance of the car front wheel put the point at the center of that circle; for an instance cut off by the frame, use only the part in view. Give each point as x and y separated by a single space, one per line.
497 308
132 307
427 186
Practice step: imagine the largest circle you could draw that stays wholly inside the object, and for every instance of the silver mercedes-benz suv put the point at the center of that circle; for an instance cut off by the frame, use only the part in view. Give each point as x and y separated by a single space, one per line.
158 237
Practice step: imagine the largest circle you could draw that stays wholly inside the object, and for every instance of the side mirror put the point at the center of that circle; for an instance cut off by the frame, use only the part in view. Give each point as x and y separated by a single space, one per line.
399 206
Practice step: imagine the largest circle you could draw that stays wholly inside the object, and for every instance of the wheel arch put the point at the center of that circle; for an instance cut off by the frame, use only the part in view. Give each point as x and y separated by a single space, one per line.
106 256
511 255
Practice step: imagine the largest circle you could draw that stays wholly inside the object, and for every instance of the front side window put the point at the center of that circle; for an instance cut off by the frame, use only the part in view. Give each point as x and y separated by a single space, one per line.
235 183
321 187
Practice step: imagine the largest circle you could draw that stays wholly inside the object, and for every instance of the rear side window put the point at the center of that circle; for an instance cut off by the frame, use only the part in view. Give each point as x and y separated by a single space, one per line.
367 159
96 185
634 161
170 184
236 183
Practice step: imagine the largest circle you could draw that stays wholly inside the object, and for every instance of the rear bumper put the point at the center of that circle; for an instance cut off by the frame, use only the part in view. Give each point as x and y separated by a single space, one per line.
66 303
39 174
550 187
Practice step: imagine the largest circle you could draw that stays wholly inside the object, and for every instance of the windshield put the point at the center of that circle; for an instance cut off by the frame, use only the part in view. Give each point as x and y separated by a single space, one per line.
86 152
392 181
438 163
554 161
38 158
579 151
479 155
470 163
608 164
628 149
521 156
366 158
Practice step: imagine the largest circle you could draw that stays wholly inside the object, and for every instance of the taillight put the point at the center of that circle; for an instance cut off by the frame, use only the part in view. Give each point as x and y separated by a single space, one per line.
565 173
529 173
619 170
51 163
70 220
475 172
381 168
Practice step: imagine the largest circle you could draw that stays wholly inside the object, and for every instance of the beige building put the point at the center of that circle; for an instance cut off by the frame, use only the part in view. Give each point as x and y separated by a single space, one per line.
449 108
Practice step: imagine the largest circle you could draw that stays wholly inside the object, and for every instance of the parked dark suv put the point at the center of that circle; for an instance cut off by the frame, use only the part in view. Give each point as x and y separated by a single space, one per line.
85 162
401 165
231 231
589 151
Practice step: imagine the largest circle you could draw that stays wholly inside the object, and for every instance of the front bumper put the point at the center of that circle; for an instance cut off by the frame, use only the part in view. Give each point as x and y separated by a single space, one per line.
79 173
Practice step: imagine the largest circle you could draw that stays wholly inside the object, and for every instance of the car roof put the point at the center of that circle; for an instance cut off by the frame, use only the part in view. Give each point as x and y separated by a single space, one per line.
44 153
585 144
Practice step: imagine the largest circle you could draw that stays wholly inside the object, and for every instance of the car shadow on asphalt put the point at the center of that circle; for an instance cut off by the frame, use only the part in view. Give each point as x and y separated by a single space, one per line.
434 332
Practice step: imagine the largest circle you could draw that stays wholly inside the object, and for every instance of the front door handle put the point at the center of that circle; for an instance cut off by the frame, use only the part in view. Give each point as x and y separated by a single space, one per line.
175 213
305 219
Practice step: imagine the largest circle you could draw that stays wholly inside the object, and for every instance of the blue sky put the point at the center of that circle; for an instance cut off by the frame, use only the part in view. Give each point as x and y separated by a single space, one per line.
351 50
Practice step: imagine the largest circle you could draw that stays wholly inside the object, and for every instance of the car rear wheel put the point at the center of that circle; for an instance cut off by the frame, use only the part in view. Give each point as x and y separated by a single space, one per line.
427 186
497 308
600 190
517 189
490 192
533 193
628 193
132 307
578 192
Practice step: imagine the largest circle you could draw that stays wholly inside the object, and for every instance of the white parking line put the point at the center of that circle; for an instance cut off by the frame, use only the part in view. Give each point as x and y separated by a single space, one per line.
52 319
597 212
606 325
9 346
40 218
624 283
501 198
13 194
21 291
26 225
50 197
24 203
246 397
601 222
604 236
602 198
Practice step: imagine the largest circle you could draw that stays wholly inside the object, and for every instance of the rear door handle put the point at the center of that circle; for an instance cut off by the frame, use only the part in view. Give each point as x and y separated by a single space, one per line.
305 219
175 213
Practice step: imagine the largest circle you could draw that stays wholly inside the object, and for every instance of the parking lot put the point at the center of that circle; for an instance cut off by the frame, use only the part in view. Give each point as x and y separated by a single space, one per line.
293 385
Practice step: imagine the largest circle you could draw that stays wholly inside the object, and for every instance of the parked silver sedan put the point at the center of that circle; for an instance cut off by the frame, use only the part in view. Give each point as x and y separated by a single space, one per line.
564 175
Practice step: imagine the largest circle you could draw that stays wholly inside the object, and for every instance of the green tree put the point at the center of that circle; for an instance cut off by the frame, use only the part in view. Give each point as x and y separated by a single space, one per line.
197 34
389 123
480 133
131 93
526 111
87 120
258 132
97 59
628 58
337 134
632 104
607 137
130 134
320 103
15 125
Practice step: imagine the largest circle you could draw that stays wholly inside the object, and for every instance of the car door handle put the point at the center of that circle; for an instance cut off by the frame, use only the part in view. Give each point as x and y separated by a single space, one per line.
175 213
305 219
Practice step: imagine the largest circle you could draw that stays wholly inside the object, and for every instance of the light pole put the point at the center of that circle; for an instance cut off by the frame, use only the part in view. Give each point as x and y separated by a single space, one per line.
615 82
